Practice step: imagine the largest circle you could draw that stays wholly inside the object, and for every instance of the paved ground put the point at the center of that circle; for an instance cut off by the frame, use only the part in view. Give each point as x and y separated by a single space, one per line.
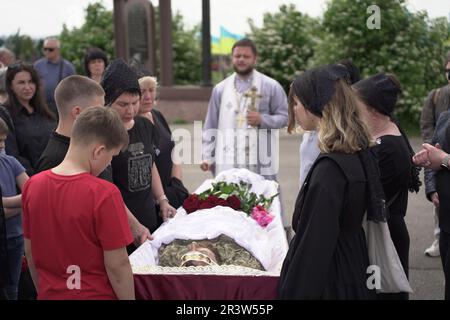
426 275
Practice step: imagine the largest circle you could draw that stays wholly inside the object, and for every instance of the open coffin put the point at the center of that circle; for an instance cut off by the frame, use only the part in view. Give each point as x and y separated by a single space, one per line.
268 245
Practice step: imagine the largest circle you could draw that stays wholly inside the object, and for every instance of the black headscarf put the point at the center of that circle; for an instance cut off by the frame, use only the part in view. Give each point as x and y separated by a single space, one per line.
352 69
315 87
379 92
117 79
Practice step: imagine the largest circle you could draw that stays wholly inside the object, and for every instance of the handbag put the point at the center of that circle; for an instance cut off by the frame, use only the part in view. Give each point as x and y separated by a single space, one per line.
383 254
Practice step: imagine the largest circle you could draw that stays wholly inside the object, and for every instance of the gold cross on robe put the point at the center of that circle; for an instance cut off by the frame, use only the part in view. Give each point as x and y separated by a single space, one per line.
253 95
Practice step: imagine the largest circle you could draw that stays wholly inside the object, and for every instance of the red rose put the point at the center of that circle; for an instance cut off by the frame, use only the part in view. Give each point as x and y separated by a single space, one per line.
191 203
234 202
204 204
222 202
212 200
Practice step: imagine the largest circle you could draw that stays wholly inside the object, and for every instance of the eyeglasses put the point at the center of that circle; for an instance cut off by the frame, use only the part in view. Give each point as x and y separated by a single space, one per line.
49 49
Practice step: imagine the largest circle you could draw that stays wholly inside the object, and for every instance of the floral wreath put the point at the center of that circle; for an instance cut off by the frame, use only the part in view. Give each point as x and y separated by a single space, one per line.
236 196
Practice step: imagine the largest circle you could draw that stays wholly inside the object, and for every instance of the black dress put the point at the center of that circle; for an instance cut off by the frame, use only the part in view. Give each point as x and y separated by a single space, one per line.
132 173
173 187
395 168
164 145
327 258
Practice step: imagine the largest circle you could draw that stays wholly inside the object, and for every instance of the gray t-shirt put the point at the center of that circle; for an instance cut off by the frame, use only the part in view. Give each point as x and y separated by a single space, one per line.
50 74
10 169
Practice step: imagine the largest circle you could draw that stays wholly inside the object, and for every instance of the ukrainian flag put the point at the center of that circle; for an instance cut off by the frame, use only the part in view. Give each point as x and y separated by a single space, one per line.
215 45
223 45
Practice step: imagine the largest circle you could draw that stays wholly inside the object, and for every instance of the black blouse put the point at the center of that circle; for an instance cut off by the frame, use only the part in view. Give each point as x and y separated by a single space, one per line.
173 188
395 168
132 173
29 137
164 146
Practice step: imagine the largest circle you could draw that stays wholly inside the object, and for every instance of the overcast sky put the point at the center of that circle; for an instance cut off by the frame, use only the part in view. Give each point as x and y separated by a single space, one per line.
40 18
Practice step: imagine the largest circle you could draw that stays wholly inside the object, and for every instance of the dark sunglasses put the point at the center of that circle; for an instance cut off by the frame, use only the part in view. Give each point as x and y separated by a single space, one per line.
49 49
447 70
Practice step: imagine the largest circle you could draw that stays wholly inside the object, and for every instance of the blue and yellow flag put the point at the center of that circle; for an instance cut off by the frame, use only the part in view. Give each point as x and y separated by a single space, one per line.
223 45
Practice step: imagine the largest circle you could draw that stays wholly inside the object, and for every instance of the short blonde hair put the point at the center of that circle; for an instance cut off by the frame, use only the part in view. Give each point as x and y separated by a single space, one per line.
341 128
148 80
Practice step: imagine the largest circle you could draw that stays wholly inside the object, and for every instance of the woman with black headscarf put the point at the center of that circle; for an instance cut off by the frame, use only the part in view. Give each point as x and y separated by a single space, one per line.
328 257
134 171
379 94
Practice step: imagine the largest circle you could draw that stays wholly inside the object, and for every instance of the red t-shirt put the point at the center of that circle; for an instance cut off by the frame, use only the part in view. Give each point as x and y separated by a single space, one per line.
70 221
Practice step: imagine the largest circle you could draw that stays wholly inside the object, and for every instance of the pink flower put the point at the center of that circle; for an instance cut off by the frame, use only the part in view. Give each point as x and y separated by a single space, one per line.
262 217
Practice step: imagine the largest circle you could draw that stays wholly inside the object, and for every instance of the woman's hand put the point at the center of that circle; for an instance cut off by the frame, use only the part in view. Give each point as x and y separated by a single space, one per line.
166 210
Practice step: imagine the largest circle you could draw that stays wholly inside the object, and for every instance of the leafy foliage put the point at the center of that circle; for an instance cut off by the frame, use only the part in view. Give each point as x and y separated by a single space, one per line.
97 31
23 46
285 43
248 199
186 50
408 44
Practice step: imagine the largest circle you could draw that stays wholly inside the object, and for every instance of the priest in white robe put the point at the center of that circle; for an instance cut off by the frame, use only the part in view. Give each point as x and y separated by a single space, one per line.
244 114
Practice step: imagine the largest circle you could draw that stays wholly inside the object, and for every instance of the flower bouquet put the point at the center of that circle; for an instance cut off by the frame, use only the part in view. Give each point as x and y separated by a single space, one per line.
236 196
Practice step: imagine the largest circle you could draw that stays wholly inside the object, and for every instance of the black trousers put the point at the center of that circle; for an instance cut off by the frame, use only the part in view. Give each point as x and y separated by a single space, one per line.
444 242
400 238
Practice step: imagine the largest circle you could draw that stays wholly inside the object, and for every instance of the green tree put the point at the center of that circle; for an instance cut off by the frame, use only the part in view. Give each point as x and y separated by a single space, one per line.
408 44
285 43
97 31
23 46
186 50
187 53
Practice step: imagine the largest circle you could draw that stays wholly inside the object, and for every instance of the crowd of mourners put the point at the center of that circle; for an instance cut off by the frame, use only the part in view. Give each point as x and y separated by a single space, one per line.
90 158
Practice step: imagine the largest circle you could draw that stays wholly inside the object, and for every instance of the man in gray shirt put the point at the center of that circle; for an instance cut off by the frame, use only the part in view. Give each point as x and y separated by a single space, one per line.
244 114
52 69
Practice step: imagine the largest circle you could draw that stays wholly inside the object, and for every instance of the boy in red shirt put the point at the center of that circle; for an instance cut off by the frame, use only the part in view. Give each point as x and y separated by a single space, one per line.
75 226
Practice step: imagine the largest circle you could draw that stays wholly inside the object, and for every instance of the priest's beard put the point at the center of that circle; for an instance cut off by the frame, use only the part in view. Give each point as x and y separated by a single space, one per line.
243 73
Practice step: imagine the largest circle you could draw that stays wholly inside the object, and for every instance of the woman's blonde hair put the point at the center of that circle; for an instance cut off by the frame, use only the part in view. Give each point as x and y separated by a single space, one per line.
341 128
150 80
